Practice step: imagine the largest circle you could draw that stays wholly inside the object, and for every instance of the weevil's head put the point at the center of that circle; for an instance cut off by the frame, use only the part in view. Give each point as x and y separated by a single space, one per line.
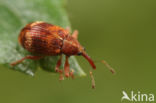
71 46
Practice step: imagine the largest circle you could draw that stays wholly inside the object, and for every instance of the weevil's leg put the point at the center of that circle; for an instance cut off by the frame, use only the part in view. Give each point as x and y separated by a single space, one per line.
72 73
26 57
68 29
61 75
75 34
57 68
66 67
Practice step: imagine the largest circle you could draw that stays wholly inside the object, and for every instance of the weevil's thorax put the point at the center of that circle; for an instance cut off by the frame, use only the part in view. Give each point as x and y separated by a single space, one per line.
71 46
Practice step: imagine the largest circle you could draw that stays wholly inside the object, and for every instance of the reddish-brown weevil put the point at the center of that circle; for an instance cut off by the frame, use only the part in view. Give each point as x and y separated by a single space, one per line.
45 39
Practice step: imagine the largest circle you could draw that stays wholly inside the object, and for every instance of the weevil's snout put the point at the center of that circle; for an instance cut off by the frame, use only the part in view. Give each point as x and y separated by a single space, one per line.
84 54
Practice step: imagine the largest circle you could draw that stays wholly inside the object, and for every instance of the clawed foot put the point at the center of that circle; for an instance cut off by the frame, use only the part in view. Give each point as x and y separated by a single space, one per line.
67 72
62 74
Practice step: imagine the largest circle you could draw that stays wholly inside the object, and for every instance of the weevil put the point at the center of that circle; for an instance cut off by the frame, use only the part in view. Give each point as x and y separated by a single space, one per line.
46 39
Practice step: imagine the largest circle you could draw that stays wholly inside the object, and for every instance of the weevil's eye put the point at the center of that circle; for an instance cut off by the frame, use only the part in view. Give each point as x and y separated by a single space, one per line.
79 53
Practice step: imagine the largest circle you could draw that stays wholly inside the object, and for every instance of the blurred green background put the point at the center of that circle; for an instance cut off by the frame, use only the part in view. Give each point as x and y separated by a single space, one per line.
122 32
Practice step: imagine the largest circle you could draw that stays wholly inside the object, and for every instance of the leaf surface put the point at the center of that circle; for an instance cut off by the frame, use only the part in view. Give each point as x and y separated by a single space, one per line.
15 14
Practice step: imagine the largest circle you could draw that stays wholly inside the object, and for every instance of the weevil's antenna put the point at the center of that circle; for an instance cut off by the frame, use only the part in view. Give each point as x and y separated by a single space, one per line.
92 78
108 66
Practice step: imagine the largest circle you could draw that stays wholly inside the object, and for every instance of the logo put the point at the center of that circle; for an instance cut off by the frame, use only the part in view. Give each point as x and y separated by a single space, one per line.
137 96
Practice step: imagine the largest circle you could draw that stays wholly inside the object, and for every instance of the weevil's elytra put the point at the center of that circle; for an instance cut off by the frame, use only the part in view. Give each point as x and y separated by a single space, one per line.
42 38
46 39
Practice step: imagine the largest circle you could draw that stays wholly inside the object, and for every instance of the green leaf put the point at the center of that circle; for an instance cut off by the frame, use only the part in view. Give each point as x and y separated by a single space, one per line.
15 14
